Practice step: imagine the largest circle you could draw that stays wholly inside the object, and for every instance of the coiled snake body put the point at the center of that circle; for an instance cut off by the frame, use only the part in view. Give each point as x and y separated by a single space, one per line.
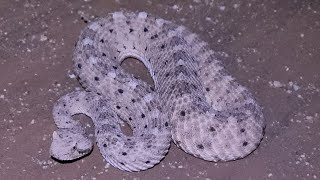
195 102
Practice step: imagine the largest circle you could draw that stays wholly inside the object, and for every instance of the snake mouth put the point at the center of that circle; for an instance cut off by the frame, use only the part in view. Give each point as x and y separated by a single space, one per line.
81 154
81 151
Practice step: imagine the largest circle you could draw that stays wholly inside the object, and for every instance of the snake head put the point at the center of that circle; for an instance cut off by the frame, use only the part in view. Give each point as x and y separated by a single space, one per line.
68 145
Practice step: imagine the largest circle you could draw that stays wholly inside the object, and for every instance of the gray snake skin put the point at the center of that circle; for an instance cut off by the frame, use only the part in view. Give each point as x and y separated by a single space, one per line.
195 102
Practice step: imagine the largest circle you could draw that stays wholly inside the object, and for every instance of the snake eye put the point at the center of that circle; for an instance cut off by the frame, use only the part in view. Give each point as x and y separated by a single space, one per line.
75 147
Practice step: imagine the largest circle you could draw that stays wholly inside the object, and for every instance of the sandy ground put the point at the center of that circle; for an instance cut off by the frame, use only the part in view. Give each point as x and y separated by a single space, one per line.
272 47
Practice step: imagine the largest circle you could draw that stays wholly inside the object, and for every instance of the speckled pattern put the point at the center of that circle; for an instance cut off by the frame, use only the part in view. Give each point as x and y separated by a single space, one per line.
270 47
210 115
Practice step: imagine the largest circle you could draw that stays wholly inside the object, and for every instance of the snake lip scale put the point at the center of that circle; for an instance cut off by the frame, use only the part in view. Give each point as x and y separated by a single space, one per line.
194 102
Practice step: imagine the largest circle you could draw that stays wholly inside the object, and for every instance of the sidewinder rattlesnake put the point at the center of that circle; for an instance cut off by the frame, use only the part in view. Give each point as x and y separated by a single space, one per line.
195 102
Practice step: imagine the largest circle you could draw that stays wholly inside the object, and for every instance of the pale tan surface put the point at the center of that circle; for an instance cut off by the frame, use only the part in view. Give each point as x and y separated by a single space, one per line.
273 48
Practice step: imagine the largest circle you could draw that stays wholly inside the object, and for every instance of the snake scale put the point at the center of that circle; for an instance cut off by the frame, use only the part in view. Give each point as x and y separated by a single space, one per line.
194 101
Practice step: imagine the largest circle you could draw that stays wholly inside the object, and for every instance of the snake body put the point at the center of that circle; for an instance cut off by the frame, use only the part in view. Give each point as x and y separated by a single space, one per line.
195 102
